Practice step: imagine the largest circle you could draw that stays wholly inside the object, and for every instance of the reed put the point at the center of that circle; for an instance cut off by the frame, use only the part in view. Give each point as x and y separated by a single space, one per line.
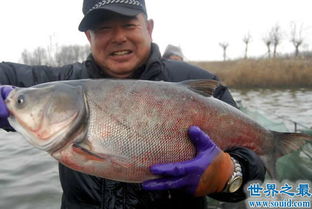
263 73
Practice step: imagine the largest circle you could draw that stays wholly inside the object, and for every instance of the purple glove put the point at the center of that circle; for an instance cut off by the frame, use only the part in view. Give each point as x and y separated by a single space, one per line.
4 113
205 174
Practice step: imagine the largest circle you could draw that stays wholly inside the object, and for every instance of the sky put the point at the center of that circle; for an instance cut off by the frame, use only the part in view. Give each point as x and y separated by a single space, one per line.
197 26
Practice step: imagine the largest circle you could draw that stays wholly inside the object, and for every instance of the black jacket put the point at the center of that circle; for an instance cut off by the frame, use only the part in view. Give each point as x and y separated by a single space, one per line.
81 191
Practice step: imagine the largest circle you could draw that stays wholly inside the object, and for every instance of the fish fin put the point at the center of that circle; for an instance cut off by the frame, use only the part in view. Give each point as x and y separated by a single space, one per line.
204 87
284 143
270 165
121 162
288 142
78 148
117 161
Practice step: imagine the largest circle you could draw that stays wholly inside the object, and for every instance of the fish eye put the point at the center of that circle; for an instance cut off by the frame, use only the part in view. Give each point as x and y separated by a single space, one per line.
20 101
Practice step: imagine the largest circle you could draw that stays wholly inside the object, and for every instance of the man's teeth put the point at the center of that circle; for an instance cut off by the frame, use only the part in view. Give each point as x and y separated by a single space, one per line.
121 52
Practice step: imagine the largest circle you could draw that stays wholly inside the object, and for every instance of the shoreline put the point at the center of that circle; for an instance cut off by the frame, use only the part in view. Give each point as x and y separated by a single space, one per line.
280 73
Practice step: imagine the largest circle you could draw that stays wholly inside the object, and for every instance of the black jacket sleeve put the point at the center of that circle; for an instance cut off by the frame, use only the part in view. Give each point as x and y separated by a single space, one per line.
25 75
223 93
252 168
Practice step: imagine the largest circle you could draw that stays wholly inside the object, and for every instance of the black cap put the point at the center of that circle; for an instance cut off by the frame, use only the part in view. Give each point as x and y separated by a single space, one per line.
95 10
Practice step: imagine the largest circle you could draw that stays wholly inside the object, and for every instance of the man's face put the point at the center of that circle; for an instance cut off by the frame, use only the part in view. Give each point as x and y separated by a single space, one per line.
175 57
121 44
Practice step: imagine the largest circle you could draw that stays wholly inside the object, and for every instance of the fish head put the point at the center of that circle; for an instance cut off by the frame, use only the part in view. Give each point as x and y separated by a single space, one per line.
48 115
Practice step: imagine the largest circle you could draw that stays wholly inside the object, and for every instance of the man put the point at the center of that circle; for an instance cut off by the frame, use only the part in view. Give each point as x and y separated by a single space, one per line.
173 52
120 37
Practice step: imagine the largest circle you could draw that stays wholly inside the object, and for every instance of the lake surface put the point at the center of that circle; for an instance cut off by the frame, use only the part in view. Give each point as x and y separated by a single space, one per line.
29 177
286 106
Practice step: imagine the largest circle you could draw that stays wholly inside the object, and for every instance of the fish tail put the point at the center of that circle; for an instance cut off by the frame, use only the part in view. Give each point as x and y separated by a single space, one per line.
283 144
286 143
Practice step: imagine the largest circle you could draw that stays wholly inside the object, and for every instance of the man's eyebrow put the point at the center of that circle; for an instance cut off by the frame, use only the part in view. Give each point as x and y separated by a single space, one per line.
129 18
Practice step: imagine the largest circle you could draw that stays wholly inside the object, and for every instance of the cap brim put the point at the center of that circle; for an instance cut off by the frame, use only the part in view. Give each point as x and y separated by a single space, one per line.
95 16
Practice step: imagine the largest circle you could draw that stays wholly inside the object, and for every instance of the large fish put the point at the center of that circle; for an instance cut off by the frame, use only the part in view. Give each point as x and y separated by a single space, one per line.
117 129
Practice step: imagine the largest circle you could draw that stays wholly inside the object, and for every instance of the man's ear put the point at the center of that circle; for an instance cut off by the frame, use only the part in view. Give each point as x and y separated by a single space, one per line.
150 26
87 33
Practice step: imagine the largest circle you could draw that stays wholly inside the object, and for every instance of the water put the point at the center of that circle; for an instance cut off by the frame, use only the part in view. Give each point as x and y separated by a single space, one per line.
29 177
287 106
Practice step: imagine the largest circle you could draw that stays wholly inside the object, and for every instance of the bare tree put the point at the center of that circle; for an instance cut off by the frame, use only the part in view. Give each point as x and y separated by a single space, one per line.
26 57
37 57
52 48
66 55
40 56
276 36
71 54
267 39
246 40
224 46
273 38
268 42
296 37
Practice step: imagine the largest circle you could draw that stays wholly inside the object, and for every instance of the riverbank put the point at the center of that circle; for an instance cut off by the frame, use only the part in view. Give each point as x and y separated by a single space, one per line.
263 73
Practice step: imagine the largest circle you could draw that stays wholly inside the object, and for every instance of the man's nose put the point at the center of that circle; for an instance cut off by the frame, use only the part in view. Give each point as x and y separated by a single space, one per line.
120 35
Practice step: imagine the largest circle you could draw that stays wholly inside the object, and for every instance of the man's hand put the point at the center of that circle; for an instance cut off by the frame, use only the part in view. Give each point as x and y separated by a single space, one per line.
4 113
207 173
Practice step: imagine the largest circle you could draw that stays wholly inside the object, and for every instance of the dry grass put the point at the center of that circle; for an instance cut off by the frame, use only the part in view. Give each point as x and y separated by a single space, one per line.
263 73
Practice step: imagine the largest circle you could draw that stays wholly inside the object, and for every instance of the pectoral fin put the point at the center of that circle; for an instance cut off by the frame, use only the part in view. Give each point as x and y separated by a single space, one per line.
116 161
86 153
